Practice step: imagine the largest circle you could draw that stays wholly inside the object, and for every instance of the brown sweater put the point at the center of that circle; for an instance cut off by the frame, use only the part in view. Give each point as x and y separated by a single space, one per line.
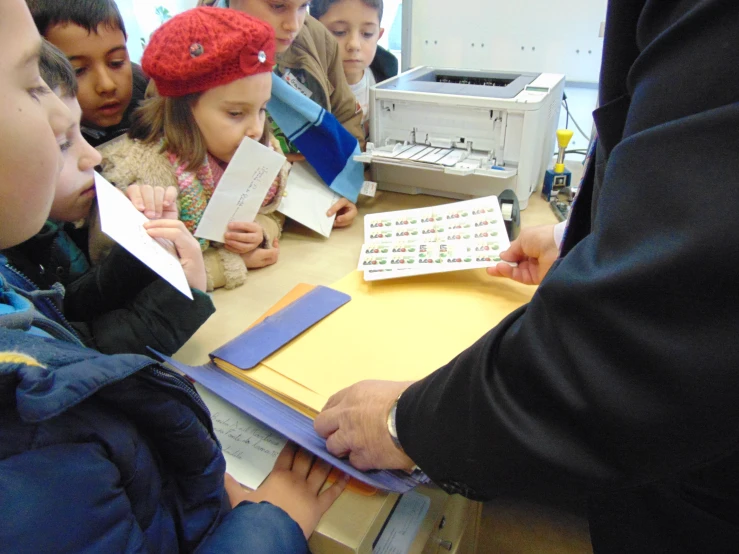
127 162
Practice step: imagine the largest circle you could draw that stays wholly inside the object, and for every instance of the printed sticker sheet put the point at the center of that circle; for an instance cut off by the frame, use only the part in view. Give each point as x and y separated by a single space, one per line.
462 235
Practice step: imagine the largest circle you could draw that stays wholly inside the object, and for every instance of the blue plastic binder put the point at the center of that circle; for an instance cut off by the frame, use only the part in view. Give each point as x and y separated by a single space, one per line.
255 344
288 422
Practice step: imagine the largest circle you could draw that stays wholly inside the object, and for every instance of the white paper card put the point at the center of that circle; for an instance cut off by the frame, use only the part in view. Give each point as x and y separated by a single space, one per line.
122 222
307 199
250 448
451 237
369 188
404 523
241 190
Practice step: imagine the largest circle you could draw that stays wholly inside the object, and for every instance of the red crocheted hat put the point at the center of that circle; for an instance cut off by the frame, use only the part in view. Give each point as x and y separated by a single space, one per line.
203 48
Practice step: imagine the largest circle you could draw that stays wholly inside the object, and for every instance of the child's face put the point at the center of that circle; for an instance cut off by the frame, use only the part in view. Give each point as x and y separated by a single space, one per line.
30 117
357 28
285 16
75 189
103 69
227 114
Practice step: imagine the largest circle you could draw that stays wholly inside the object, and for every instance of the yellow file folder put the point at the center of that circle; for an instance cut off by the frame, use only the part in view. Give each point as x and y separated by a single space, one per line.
397 330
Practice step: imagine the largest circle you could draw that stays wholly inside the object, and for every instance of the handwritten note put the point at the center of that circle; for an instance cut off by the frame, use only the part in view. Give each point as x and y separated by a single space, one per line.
122 222
241 190
250 448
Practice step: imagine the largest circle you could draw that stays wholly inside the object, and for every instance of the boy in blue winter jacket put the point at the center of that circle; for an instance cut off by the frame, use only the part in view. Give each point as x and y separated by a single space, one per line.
120 305
107 453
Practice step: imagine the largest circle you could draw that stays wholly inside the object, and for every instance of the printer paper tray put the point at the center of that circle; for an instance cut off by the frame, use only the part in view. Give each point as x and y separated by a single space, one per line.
460 169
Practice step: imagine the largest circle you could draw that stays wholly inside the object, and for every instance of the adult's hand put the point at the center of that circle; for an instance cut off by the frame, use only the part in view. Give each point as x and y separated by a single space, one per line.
354 423
534 251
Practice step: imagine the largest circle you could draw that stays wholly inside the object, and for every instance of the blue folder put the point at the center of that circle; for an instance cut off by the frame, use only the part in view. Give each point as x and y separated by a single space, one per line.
255 344
286 421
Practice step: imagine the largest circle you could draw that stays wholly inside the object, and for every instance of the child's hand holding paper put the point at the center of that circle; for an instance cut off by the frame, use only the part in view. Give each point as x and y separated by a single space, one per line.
122 222
243 237
240 192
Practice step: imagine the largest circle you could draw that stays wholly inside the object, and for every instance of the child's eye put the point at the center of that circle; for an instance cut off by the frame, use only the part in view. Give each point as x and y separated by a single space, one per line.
368 35
66 145
235 114
38 91
117 64
339 33
277 7
79 71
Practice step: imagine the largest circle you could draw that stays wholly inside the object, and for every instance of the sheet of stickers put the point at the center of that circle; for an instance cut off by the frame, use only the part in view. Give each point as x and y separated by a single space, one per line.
462 235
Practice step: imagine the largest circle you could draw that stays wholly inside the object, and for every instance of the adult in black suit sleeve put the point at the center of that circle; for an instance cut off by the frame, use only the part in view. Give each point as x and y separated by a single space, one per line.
620 379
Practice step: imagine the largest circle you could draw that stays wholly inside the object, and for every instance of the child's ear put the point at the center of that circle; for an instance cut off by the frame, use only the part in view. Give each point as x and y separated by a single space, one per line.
382 32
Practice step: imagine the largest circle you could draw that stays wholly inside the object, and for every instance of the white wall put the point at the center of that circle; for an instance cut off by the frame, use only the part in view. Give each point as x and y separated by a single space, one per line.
554 36
141 19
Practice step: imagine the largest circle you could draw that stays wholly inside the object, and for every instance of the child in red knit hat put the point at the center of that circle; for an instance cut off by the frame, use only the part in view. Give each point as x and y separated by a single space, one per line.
211 71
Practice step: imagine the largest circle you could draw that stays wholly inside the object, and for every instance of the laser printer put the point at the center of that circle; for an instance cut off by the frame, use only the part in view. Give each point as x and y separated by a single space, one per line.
463 133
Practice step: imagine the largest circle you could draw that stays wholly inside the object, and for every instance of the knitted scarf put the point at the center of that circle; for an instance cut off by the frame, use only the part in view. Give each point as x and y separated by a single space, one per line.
195 190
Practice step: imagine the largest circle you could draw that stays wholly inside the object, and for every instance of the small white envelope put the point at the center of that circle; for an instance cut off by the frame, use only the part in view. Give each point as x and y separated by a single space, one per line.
241 190
122 222
307 199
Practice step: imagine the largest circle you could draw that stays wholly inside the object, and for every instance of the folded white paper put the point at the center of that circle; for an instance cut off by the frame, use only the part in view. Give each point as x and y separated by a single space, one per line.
307 199
241 190
122 222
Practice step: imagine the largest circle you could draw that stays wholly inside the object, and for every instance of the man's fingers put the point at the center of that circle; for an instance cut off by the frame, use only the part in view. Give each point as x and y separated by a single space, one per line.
327 422
336 445
501 269
357 459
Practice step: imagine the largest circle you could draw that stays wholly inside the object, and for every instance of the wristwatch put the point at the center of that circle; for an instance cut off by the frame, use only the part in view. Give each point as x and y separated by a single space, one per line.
391 427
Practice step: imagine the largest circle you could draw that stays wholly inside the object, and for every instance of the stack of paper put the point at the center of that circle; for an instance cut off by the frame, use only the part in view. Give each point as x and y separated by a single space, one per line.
451 237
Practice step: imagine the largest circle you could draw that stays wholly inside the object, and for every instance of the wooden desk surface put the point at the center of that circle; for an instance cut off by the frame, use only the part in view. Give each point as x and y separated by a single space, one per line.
308 257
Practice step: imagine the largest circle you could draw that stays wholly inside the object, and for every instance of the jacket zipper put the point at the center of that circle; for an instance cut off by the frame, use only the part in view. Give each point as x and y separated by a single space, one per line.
57 311
180 383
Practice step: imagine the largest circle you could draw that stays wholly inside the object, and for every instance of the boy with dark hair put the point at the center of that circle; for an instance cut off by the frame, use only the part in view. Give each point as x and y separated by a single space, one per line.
91 33
120 305
356 24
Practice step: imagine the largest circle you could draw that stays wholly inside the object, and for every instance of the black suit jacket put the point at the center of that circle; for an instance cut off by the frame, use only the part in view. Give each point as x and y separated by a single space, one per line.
620 379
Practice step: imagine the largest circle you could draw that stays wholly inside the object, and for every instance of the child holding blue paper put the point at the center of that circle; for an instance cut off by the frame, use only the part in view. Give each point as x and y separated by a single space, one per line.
108 453
212 73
